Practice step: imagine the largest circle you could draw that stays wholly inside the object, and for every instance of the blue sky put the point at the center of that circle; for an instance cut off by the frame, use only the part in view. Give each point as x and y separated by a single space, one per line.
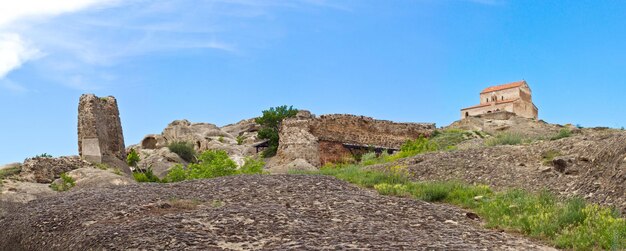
222 61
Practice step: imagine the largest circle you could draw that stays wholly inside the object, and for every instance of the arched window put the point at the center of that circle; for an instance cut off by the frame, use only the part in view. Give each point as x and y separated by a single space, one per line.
466 114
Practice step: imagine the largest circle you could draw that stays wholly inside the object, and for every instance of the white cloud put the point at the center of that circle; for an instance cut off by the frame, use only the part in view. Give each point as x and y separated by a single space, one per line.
14 51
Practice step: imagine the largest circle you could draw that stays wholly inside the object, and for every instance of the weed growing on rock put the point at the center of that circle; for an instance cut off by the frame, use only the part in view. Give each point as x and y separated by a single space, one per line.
563 133
184 150
505 139
548 156
414 147
240 140
66 183
102 166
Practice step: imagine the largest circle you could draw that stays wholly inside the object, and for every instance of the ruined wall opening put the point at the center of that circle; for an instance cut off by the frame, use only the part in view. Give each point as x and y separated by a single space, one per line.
149 143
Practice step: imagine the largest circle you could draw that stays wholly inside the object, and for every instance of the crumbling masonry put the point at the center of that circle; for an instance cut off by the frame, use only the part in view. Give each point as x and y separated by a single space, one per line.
100 137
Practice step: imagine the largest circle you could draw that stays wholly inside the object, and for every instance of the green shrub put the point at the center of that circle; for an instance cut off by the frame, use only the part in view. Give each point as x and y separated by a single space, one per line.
563 133
252 166
132 158
548 156
184 150
270 123
176 174
505 139
43 155
449 138
146 176
221 139
67 182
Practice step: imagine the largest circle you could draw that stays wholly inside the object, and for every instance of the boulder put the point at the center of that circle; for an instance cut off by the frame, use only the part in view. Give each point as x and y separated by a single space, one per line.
23 192
94 177
160 160
298 164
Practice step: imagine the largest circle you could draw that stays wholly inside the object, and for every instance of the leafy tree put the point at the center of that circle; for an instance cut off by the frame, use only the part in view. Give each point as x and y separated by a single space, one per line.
270 123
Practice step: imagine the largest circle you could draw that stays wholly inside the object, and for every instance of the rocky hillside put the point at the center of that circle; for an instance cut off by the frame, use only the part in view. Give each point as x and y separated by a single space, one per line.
267 212
591 164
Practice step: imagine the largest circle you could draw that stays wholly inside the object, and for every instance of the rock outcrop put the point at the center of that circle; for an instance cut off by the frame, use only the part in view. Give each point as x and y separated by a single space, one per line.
100 137
46 170
320 140
245 212
94 178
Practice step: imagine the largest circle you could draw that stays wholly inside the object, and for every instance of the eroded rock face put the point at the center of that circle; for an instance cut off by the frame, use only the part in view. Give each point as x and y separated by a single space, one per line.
245 212
100 137
46 170
93 177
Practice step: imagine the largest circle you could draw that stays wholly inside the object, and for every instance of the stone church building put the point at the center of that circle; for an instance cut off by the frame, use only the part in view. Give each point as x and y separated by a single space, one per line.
513 97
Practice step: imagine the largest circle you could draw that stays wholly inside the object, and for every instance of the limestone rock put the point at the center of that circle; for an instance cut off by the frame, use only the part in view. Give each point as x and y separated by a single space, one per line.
93 177
298 164
22 192
46 170
160 160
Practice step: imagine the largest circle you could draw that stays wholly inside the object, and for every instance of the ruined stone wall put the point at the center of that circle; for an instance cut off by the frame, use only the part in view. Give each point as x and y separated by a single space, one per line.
366 131
320 140
100 137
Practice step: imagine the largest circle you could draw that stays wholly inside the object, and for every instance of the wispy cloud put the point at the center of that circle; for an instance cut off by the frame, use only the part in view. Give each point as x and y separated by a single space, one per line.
76 41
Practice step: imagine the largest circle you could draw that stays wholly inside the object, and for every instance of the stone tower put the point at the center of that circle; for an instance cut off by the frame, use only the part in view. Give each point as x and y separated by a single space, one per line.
100 137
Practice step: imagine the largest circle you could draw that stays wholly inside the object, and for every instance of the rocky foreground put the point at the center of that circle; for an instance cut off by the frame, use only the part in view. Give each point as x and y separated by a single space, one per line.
267 212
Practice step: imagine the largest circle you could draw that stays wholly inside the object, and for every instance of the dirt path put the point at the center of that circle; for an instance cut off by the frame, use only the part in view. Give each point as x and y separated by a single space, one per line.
266 212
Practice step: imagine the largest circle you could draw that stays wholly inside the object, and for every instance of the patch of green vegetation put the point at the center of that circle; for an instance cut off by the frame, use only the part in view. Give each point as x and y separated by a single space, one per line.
570 224
102 166
414 147
184 150
240 140
563 133
67 182
449 138
146 176
211 164
7 172
270 122
221 139
133 158
548 156
252 166
505 139
118 171
43 155
217 203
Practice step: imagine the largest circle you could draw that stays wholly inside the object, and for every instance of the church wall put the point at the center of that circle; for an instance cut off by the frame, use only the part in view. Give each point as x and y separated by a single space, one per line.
507 94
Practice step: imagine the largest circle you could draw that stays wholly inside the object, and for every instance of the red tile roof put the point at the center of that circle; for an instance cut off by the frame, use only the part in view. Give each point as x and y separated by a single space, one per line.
503 87
491 103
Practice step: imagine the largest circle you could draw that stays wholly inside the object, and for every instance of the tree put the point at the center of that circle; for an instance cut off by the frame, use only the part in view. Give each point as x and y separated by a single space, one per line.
270 124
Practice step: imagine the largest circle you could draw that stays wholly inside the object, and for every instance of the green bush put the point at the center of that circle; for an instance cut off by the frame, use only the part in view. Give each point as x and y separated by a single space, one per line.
43 155
132 158
146 176
252 166
184 150
449 138
270 123
67 182
563 133
505 139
